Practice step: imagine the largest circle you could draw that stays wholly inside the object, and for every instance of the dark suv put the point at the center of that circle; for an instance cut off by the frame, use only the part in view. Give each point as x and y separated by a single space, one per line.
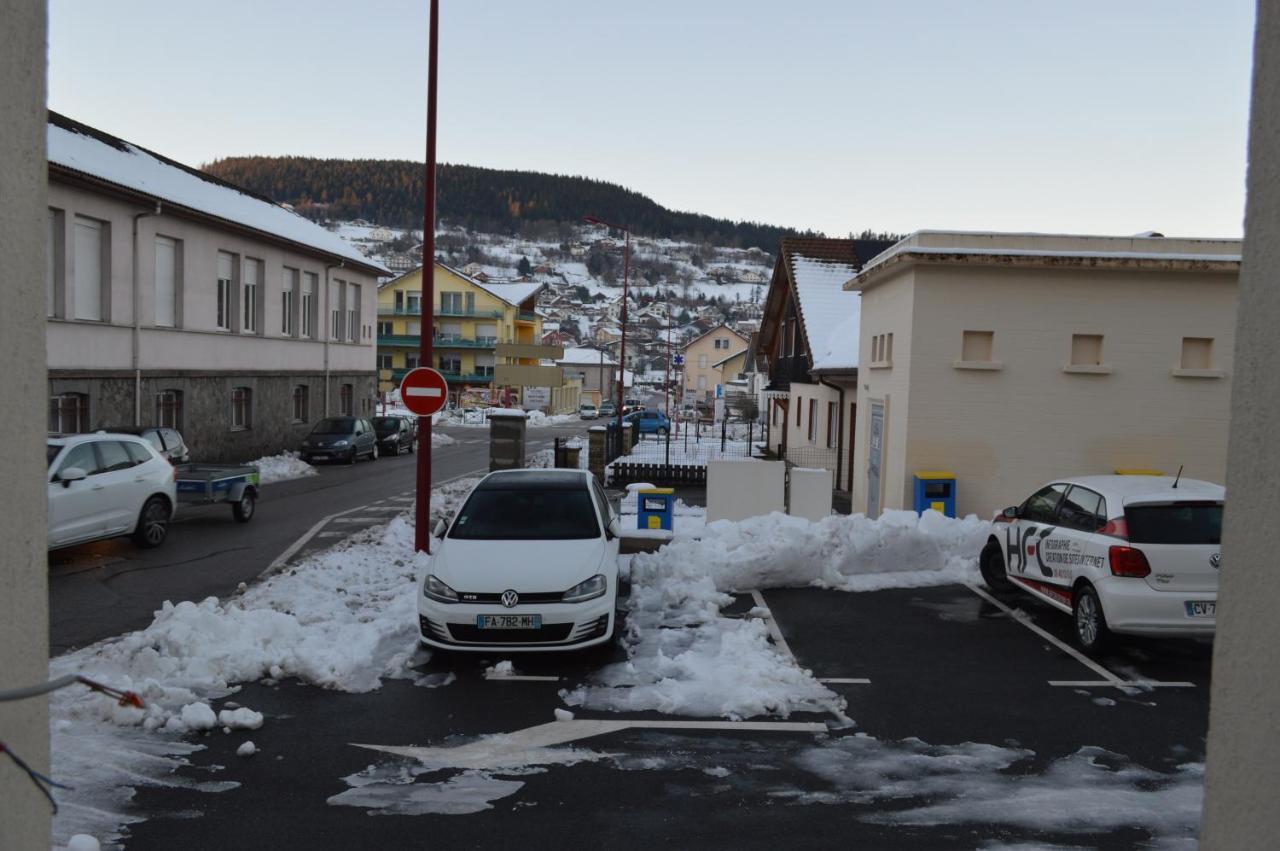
341 439
166 441
394 434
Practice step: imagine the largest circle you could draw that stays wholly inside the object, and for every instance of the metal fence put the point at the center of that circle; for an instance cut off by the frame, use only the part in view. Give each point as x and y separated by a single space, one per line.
681 456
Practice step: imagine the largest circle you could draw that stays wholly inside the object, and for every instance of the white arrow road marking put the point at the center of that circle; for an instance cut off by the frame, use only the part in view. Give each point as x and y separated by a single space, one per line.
532 745
430 392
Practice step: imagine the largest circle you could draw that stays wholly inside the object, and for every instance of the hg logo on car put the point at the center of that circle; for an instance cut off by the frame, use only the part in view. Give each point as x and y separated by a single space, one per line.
510 599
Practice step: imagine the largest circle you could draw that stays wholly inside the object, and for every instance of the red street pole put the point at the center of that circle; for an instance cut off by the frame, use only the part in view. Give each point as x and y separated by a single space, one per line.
422 512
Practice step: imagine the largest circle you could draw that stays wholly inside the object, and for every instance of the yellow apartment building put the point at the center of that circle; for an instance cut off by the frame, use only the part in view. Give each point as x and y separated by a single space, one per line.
471 319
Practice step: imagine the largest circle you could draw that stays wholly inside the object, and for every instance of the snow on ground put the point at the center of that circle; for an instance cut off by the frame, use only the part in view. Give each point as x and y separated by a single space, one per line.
341 619
280 468
533 419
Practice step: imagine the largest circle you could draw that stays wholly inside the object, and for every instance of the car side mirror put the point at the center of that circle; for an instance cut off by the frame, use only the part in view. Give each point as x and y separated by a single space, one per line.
440 528
614 529
1011 512
71 474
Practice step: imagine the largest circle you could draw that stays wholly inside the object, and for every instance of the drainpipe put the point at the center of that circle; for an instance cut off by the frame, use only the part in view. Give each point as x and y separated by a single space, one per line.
839 431
136 358
328 331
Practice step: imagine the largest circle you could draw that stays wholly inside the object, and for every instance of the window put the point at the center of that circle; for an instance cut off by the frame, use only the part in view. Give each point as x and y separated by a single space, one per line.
977 346
415 302
399 294
702 361
888 347
702 382
484 363
226 290
353 312
82 457
169 409
344 401
451 364
384 361
471 303
1179 523
288 287
411 360
450 302
252 281
69 413
813 420
310 283
1042 505
90 246
54 260
522 514
137 452
1197 353
486 332
1086 350
833 425
385 329
335 310
114 456
167 273
241 408
1083 510
301 403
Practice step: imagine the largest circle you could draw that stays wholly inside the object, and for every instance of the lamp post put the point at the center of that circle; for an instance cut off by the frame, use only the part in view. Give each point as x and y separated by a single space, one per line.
626 274
422 509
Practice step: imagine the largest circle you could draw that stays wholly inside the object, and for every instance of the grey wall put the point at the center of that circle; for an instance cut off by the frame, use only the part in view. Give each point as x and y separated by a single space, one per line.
24 613
1243 771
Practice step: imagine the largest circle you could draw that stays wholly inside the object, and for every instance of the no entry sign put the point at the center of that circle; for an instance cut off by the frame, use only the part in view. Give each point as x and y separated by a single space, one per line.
424 391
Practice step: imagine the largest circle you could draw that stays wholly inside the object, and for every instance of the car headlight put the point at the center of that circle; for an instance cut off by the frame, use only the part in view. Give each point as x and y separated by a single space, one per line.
589 590
341 443
434 589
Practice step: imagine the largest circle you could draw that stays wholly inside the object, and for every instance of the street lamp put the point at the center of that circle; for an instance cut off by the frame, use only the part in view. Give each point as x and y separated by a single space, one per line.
626 274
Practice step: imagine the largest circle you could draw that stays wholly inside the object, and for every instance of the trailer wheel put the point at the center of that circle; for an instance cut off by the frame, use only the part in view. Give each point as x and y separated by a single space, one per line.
244 509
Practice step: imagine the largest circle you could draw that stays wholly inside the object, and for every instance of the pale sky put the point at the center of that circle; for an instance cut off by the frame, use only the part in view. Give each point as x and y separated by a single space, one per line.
1085 117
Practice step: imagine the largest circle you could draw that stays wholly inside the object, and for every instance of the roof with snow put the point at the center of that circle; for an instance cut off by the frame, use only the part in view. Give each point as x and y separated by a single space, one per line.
512 293
586 357
76 149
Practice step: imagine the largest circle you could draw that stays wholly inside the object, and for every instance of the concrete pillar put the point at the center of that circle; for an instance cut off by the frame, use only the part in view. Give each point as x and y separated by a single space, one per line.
626 438
595 452
506 439
24 604
1243 768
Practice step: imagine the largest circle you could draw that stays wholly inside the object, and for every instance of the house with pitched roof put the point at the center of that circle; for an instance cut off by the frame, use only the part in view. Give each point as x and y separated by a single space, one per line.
701 377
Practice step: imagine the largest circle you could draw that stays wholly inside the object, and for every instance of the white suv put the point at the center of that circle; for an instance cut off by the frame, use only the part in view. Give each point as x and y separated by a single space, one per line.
1122 554
105 485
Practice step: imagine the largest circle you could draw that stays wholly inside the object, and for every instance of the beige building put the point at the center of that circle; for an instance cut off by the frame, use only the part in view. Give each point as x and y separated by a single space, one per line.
700 358
174 298
1010 359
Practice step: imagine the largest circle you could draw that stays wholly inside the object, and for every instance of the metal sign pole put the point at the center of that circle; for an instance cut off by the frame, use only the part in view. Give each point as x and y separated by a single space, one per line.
422 512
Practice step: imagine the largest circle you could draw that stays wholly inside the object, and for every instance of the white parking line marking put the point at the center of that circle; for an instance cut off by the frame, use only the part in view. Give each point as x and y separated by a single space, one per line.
332 535
856 681
522 678
774 632
384 508
1025 620
357 519
1120 684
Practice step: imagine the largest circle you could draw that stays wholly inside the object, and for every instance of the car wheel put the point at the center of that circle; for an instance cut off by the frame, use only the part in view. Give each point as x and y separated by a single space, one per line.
1092 633
243 510
153 523
373 454
661 432
991 563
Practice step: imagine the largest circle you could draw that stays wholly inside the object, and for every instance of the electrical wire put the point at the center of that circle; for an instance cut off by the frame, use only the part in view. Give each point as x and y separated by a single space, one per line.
40 781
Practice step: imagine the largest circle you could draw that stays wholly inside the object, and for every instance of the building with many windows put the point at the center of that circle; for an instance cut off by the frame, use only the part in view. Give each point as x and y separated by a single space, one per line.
472 319
701 356
177 299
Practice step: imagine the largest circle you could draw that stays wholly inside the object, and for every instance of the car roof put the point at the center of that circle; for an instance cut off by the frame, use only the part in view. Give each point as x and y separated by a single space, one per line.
534 480
72 439
1132 490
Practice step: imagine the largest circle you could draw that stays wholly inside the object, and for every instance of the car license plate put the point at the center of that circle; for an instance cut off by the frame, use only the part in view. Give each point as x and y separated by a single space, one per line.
509 621
1201 609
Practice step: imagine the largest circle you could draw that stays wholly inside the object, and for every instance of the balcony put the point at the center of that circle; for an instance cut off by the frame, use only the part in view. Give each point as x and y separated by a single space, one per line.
527 316
416 310
450 341
785 371
467 377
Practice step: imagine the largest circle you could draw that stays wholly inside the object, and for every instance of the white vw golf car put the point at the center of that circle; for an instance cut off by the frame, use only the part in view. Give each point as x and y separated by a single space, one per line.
530 562
1123 554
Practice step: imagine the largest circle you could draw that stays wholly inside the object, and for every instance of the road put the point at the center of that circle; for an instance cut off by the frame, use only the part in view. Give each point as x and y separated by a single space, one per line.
103 589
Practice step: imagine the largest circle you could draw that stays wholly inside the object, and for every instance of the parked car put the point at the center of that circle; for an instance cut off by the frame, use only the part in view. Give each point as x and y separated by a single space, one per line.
107 485
588 411
394 434
341 439
650 422
1137 555
608 409
530 562
167 441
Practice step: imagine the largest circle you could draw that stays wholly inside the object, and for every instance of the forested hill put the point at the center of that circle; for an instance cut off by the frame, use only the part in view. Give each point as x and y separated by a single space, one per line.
389 192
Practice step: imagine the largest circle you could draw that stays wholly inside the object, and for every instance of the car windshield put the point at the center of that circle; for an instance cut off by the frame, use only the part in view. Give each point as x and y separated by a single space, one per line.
1180 523
385 425
51 451
526 514
335 426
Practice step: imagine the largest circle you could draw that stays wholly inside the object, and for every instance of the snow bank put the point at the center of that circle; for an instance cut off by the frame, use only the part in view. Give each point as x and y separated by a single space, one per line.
441 439
282 467
341 619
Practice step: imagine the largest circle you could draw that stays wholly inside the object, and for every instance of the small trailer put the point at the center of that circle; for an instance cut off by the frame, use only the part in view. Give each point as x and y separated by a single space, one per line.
205 484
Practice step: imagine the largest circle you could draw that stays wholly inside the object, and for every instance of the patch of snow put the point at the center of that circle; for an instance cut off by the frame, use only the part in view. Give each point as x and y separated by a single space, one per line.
716 771
394 791
240 719
247 749
279 468
441 439
83 842
564 715
505 668
195 717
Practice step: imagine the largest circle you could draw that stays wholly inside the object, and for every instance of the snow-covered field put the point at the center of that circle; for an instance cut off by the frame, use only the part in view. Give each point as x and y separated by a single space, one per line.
279 468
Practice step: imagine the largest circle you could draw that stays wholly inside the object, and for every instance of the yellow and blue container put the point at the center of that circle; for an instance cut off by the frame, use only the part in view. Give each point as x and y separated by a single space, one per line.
656 508
935 489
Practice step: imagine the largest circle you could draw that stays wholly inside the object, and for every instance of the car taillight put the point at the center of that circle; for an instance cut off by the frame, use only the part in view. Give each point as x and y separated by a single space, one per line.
1127 561
1116 527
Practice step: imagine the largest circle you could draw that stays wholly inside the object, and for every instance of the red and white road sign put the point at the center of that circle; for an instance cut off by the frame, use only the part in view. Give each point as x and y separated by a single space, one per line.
424 391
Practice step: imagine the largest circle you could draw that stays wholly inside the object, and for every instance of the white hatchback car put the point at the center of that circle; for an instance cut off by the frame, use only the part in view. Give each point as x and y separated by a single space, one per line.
530 562
105 485
1123 554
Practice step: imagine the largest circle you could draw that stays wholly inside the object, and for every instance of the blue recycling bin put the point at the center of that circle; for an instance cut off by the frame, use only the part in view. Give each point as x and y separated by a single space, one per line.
935 489
657 508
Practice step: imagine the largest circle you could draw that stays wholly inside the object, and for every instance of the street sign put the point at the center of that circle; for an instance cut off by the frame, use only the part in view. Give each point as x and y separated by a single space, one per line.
424 391
677 360
535 397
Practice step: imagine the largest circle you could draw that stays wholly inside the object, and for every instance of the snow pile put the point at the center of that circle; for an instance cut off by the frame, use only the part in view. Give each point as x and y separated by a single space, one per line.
282 467
537 419
441 439
342 618
247 749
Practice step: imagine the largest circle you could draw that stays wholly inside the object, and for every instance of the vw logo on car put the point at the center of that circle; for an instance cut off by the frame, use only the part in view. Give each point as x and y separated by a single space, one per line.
1215 560
510 599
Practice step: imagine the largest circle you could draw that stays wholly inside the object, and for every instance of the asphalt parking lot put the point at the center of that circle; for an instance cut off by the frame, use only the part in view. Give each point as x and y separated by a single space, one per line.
945 665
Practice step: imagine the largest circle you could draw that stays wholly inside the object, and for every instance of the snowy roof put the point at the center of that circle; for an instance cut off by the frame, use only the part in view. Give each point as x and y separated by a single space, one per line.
511 293
80 148
830 314
585 357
